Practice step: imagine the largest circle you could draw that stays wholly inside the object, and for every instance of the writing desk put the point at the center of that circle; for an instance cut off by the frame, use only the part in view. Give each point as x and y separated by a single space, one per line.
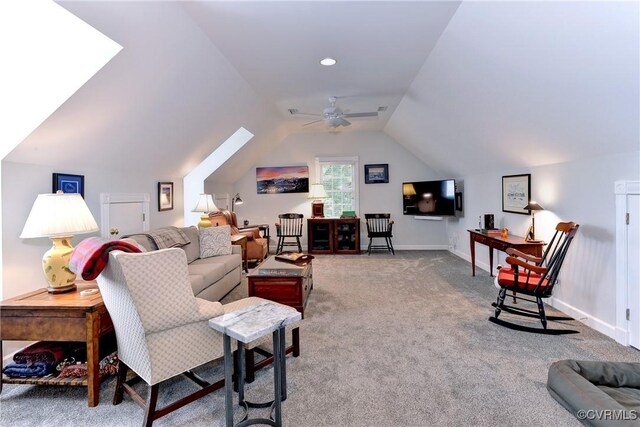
497 242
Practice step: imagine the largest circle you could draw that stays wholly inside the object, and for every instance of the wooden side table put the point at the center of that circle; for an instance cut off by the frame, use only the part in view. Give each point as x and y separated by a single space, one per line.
41 316
241 239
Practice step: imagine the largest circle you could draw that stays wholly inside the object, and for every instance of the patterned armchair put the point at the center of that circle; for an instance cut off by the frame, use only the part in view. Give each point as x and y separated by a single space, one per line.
161 328
256 245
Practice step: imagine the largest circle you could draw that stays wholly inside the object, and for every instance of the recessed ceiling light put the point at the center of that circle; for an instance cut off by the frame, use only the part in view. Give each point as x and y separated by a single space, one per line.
328 62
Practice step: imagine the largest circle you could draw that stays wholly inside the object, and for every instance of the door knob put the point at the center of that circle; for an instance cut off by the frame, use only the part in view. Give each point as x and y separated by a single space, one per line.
114 231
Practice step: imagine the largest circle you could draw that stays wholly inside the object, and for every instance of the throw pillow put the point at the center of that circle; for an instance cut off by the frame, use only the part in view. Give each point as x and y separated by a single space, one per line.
215 241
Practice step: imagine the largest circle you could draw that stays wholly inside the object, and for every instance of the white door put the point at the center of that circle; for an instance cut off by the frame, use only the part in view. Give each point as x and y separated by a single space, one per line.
633 272
124 214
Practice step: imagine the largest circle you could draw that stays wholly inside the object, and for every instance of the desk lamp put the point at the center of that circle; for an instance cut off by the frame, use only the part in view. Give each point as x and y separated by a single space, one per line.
236 200
205 205
59 216
533 207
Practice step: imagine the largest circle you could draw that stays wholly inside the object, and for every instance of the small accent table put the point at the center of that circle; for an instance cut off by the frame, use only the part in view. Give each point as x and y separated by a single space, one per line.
246 325
497 242
241 239
39 315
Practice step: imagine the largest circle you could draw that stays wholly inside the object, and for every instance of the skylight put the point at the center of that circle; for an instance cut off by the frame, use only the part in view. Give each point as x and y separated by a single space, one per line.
48 56
194 180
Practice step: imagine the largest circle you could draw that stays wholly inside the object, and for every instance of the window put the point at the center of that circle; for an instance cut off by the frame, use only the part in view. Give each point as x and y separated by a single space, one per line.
339 175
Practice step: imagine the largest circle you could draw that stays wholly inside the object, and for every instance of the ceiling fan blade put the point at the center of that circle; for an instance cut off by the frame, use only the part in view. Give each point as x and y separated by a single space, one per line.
310 123
298 113
343 122
370 114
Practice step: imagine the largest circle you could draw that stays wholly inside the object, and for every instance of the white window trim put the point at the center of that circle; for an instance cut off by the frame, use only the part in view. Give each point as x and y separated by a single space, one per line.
354 160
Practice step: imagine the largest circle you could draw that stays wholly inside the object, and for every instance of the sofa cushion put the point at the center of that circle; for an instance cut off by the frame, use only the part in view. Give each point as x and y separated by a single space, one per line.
135 243
197 283
230 262
144 241
193 248
215 241
210 273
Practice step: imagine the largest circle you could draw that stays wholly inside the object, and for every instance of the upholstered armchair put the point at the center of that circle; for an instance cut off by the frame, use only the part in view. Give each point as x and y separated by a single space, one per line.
161 329
256 245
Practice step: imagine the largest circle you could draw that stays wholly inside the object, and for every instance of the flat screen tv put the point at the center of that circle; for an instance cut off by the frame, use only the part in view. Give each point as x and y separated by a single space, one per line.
429 198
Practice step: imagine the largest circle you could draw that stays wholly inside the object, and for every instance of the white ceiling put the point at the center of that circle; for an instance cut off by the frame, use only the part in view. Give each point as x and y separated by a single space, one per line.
277 46
470 87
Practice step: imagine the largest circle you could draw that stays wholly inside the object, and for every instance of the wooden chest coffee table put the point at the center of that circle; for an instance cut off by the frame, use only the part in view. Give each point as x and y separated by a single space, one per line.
282 282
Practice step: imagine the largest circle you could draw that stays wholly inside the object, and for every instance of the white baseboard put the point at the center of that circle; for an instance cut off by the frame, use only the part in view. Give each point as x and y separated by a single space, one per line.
587 319
418 247
272 249
622 336
482 265
414 248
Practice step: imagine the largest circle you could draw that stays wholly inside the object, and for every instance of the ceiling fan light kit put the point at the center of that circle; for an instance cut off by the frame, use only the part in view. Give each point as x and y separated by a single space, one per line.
333 116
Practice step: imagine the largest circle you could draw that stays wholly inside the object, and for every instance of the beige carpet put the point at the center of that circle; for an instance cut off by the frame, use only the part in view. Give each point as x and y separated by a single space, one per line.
386 341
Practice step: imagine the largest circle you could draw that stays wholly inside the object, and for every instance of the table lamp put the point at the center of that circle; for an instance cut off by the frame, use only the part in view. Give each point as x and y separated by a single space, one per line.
317 193
408 190
59 216
533 207
236 200
205 205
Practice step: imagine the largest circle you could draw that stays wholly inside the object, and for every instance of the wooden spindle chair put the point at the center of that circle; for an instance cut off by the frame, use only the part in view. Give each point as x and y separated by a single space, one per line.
379 225
536 277
289 226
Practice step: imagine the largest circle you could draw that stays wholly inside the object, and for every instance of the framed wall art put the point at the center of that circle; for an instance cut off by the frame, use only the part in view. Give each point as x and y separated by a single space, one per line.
165 196
376 174
516 192
68 183
282 179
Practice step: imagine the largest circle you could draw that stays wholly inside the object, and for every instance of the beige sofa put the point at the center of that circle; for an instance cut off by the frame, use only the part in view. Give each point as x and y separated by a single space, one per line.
211 278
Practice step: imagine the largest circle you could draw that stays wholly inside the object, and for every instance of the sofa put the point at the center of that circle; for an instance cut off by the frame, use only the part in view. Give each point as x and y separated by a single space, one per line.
256 245
211 278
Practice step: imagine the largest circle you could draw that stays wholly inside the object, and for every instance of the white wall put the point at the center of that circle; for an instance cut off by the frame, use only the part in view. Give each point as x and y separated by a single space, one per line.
581 191
371 148
21 183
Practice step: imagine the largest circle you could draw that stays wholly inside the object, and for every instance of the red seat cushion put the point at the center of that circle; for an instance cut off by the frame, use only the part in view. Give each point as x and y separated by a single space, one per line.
506 280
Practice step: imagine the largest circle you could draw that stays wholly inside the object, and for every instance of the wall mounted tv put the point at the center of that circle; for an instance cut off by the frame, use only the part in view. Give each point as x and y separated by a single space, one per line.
429 198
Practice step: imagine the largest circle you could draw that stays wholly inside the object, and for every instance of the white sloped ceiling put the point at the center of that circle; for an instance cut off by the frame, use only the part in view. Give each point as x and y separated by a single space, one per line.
507 85
166 101
518 84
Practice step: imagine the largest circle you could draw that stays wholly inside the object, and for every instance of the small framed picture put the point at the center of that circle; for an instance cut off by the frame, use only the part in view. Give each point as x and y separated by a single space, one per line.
516 191
165 196
68 183
376 174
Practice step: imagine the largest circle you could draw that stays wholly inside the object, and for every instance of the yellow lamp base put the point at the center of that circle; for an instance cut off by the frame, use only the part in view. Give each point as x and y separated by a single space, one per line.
205 221
55 265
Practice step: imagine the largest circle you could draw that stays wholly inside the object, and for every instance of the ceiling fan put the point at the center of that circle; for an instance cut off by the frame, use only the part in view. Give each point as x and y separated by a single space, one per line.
334 116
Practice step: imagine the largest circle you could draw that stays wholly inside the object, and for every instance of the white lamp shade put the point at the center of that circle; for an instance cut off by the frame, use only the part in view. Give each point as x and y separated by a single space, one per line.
317 192
205 204
59 215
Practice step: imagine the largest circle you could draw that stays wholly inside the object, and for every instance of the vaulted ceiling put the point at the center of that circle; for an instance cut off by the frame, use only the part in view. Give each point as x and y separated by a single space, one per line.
513 84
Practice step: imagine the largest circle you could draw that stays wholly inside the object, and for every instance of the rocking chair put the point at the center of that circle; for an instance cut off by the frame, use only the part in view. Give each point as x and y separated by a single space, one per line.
536 277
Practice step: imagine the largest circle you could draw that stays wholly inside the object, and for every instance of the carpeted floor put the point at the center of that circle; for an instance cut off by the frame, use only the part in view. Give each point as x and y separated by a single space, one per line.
386 341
